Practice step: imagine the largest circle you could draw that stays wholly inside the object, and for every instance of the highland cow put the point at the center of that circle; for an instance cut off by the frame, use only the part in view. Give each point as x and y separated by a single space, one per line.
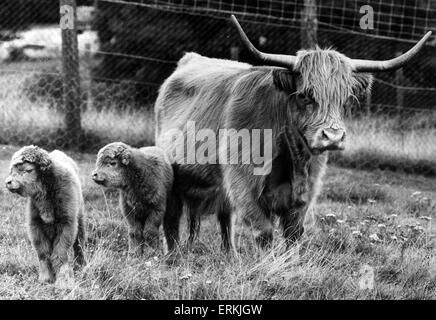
301 98
55 214
144 177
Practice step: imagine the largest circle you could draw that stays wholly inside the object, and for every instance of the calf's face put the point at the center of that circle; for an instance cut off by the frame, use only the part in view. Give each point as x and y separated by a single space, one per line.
23 179
110 172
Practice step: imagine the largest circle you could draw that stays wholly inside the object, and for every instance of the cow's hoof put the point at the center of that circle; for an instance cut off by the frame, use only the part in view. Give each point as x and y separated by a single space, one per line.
46 278
172 259
65 278
264 240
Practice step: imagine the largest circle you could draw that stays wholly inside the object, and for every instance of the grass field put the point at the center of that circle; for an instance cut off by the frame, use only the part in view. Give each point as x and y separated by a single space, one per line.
375 236
375 240
374 142
24 121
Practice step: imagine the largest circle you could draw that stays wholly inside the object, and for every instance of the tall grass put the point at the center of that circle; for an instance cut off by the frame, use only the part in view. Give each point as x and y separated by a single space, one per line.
392 142
326 264
23 121
374 142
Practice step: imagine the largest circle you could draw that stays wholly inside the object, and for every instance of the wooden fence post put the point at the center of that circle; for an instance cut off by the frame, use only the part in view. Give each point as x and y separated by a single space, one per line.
309 25
70 68
234 53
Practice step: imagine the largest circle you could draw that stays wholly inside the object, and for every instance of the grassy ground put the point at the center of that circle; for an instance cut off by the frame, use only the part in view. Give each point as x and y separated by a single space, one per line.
374 142
25 121
372 225
376 240
400 143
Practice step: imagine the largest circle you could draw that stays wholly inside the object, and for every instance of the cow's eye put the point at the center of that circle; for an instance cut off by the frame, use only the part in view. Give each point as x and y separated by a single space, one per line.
304 99
28 170
113 163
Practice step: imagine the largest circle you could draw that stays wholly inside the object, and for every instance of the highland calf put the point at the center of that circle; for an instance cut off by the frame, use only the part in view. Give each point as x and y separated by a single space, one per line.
55 209
144 177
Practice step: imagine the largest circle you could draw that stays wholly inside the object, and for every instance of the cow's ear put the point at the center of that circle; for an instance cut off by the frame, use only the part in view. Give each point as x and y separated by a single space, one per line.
125 157
284 80
363 85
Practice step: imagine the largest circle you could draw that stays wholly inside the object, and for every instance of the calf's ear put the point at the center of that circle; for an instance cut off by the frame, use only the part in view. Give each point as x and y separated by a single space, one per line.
43 161
125 157
363 85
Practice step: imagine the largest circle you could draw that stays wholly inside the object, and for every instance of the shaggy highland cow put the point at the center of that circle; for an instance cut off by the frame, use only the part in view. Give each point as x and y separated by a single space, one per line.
55 209
301 99
144 177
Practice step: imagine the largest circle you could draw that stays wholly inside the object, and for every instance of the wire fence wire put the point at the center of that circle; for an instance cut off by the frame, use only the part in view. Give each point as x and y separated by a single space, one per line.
127 49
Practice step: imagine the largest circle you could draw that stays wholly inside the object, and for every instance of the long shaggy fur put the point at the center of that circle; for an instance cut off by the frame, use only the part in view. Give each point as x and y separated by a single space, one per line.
55 208
219 94
145 179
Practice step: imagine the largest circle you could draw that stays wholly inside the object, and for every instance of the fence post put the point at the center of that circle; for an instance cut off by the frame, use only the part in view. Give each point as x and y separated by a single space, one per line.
309 25
70 69
234 53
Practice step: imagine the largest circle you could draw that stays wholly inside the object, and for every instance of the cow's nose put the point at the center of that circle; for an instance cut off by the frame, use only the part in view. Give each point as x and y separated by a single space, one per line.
97 179
333 136
329 139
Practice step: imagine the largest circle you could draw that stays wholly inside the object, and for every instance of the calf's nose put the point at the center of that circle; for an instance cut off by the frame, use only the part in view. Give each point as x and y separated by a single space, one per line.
8 182
94 175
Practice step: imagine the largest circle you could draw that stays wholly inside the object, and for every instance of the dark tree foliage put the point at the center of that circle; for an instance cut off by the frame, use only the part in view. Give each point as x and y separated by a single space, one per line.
19 14
164 35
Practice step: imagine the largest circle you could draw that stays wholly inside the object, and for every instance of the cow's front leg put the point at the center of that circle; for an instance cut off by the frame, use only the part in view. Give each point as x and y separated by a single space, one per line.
292 219
245 203
226 219
136 234
43 249
62 250
256 218
292 224
152 226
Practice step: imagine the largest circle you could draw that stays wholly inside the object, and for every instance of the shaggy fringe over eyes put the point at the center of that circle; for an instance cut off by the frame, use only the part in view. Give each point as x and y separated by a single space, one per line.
327 75
32 154
115 150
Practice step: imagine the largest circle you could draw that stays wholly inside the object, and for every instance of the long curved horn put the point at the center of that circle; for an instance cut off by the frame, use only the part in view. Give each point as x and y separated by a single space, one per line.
398 62
280 60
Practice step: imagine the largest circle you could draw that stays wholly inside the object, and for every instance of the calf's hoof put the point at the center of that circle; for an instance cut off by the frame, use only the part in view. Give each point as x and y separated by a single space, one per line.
65 278
45 277
264 240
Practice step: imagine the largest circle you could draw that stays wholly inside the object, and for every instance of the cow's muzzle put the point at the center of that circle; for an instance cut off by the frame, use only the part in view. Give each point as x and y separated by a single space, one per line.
11 186
329 139
97 179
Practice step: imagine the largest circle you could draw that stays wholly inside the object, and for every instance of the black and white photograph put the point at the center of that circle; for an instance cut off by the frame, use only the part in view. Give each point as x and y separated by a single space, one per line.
233 152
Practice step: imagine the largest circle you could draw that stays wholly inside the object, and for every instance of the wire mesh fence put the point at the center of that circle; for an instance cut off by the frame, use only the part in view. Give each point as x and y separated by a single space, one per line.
127 49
